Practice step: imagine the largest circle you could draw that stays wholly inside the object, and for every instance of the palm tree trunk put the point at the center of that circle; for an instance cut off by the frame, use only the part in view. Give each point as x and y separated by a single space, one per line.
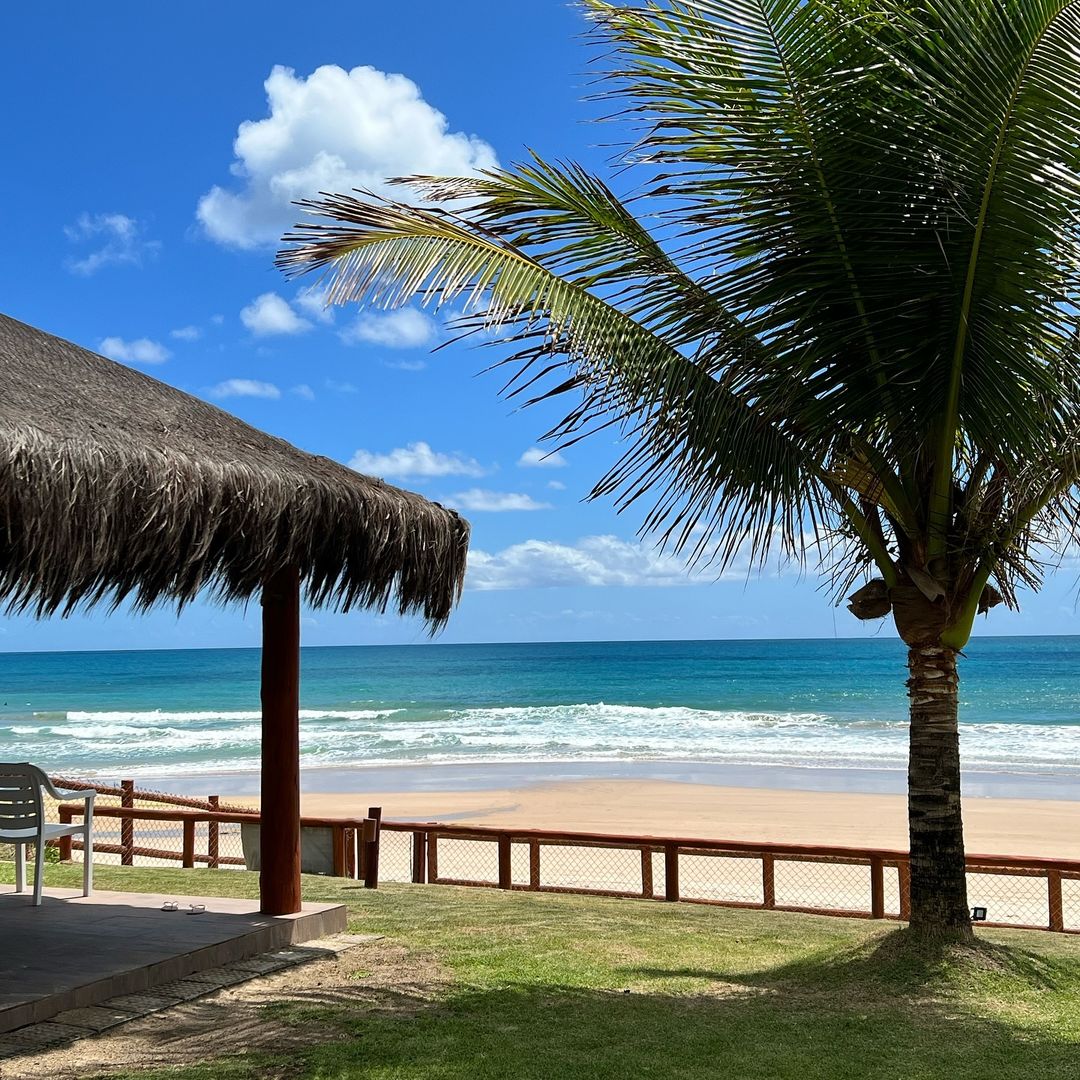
938 882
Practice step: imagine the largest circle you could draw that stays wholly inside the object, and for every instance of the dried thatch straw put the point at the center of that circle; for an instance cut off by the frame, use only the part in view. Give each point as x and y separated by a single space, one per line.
114 485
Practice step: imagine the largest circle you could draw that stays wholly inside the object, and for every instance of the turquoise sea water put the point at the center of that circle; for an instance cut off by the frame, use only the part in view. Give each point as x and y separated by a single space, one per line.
838 704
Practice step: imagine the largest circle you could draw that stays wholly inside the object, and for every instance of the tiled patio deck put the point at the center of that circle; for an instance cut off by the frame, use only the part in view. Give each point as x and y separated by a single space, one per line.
75 951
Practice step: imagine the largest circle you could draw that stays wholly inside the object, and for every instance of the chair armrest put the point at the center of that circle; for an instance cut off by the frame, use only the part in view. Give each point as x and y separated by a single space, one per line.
73 796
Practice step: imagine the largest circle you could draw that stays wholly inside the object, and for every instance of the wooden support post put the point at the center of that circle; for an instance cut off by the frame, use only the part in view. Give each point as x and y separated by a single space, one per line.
903 870
768 881
646 874
65 841
419 858
1057 910
671 872
279 880
371 850
127 825
877 887
504 861
212 837
534 865
187 855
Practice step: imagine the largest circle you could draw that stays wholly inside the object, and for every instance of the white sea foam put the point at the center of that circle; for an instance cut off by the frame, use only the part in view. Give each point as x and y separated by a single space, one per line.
134 742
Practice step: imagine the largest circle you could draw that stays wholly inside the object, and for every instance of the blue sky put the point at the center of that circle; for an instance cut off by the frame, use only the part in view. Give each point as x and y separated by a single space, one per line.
150 155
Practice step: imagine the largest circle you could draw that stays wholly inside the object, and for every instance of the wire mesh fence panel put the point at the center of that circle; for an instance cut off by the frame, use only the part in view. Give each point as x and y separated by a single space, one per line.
1010 898
1070 903
656 861
467 860
734 880
395 856
891 881
609 869
827 884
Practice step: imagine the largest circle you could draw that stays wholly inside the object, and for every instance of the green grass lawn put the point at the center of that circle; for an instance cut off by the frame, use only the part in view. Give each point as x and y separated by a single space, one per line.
537 986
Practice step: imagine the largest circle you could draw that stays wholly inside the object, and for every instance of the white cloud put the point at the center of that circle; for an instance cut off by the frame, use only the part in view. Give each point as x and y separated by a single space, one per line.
217 320
406 328
592 561
556 485
244 388
535 458
186 333
303 391
479 499
334 130
269 314
312 302
416 459
405 365
117 238
336 387
140 351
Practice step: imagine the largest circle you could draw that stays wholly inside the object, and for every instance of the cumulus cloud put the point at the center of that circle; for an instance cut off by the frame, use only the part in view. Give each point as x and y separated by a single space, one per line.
496 502
416 459
333 130
303 391
270 314
186 333
556 485
140 351
116 240
244 388
535 458
592 561
405 328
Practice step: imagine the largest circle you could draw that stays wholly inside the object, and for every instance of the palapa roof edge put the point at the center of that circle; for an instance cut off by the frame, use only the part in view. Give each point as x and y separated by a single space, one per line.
115 486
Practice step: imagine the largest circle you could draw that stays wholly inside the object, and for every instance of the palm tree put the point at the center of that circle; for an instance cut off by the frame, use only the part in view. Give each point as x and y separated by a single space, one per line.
843 314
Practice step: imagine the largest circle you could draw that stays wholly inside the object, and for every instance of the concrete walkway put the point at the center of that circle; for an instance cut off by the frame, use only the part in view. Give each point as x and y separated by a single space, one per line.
74 952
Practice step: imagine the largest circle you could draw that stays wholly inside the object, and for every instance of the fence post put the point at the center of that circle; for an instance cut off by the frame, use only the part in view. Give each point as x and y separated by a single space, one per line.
768 880
65 841
1053 889
188 854
213 854
903 870
504 861
371 849
534 865
646 874
877 887
354 853
419 858
671 872
433 856
127 825
337 847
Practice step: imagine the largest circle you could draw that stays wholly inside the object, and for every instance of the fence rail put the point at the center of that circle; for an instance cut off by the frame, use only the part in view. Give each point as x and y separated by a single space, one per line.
138 826
869 883
191 831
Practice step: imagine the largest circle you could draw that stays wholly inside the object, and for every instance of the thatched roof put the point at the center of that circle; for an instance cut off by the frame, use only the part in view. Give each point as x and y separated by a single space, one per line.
114 485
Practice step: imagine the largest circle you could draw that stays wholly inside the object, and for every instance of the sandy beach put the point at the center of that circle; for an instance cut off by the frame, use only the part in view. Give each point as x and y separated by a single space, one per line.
1005 826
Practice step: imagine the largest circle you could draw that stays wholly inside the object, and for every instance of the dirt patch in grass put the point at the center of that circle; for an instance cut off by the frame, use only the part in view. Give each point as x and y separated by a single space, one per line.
266 1015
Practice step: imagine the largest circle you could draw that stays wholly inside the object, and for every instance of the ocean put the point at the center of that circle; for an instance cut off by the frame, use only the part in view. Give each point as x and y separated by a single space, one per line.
830 704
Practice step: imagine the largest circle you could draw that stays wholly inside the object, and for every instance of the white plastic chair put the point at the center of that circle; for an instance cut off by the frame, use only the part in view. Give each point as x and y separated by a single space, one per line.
22 822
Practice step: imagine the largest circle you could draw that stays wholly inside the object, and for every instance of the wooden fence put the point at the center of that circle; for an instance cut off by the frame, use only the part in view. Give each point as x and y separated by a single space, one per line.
817 879
354 841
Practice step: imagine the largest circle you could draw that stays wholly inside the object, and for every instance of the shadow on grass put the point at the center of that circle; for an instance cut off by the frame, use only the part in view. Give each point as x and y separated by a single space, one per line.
872 1013
899 964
